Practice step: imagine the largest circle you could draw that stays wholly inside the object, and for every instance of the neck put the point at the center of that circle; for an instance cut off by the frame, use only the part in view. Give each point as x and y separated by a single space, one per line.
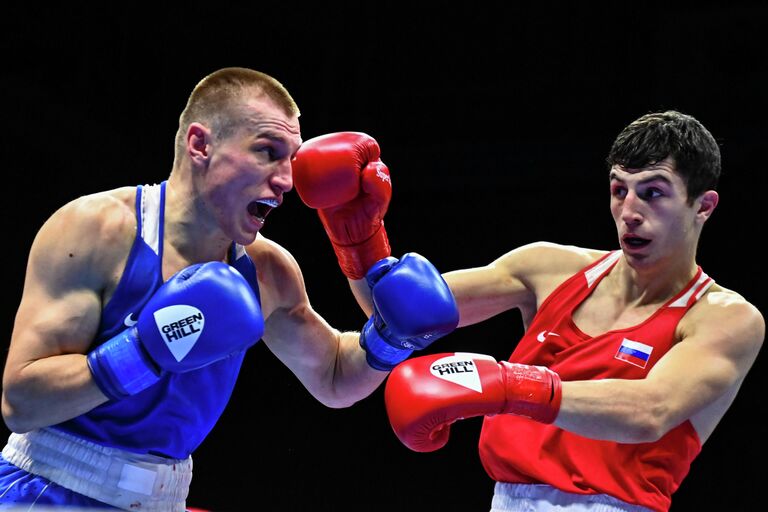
190 229
652 285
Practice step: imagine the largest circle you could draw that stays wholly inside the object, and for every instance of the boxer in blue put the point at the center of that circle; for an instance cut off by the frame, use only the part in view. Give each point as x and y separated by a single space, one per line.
139 304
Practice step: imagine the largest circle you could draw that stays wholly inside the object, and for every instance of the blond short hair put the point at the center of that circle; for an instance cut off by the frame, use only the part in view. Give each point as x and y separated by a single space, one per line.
215 100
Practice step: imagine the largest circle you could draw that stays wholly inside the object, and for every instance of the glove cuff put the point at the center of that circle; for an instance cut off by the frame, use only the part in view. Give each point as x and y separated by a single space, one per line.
355 260
120 366
532 391
379 353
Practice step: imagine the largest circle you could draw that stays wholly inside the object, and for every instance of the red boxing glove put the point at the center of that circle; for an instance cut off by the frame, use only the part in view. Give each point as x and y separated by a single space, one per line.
342 176
424 395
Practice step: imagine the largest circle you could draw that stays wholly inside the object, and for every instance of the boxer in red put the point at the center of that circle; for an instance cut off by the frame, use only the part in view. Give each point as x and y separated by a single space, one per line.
630 357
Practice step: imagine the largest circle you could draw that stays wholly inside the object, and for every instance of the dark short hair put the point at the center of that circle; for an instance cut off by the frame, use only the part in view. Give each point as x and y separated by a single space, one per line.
656 136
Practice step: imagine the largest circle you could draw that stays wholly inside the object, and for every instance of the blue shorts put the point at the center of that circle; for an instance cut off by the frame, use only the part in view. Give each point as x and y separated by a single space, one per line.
18 486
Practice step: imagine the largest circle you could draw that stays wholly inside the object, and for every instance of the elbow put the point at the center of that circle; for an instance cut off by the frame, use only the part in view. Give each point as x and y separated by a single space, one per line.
648 432
14 416
21 412
334 401
16 426
336 396
650 425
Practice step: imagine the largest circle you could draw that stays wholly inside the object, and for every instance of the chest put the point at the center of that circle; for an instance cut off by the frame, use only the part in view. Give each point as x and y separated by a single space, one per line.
142 266
588 336
601 313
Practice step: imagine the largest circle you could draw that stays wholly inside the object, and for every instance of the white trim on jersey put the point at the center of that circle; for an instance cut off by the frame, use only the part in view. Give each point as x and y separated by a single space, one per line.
150 216
701 285
594 273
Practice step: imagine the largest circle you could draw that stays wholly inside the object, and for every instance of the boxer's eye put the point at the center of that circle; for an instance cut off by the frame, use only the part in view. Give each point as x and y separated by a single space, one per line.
651 193
269 151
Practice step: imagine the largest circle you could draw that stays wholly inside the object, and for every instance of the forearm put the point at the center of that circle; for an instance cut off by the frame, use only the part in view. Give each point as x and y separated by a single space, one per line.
352 378
362 294
484 292
49 391
626 411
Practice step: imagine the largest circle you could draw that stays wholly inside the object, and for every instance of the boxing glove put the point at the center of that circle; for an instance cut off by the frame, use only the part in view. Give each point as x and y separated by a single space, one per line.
342 177
424 395
412 307
201 315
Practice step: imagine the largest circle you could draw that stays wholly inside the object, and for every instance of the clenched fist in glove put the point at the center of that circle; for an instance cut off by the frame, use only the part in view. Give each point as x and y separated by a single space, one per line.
424 395
342 176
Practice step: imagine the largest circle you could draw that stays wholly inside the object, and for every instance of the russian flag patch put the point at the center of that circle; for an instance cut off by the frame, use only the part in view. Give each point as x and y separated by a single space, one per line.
634 352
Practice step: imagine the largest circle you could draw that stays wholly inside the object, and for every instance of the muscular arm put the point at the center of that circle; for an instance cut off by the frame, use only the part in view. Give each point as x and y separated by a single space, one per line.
521 278
698 379
329 363
46 378
483 292
480 292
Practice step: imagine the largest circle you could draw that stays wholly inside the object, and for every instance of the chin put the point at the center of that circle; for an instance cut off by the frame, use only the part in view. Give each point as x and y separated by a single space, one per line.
645 262
246 238
636 260
242 236
245 234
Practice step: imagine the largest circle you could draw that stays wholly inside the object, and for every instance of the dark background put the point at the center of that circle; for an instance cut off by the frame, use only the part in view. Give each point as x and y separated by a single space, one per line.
494 123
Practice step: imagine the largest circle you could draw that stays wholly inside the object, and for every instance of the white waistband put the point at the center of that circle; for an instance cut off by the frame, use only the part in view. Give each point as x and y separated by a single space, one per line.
122 479
508 497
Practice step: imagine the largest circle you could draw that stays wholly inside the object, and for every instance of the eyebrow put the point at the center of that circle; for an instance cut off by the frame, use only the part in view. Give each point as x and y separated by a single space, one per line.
613 176
270 136
278 139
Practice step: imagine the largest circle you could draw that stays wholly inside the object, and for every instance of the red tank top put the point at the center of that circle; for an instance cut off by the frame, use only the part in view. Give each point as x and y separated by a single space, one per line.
516 449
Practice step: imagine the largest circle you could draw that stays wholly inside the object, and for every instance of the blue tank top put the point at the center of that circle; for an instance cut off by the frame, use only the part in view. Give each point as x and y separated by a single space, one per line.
172 417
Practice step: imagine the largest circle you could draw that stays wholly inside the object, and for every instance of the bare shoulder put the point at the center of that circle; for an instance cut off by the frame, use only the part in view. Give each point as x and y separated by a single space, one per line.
546 261
100 214
521 278
280 280
728 320
100 202
272 259
88 234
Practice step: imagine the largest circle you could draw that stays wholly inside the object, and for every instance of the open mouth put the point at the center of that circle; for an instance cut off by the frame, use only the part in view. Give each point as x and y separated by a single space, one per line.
635 241
261 208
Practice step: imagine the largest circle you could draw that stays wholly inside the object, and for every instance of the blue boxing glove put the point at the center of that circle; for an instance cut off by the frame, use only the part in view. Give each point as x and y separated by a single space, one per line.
413 307
202 314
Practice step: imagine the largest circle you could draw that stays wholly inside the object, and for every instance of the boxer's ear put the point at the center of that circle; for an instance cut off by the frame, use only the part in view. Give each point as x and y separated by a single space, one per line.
707 203
198 143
